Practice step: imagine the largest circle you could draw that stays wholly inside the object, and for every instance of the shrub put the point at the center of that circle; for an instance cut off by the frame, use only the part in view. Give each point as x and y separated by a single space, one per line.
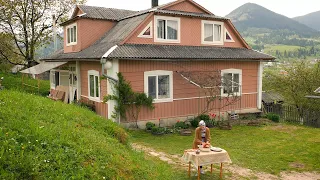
87 104
194 122
157 130
210 123
181 125
204 117
273 117
150 125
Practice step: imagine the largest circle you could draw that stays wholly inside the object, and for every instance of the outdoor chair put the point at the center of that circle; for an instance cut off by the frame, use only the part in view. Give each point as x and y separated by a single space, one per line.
57 95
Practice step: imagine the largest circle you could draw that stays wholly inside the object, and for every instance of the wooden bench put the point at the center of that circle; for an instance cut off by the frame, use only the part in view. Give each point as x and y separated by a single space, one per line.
57 95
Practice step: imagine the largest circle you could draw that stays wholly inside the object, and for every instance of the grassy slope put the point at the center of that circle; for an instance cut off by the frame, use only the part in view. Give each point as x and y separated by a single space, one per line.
270 149
14 82
42 139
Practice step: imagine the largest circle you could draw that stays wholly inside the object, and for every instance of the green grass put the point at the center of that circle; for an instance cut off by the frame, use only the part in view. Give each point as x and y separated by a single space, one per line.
14 82
270 149
43 139
281 48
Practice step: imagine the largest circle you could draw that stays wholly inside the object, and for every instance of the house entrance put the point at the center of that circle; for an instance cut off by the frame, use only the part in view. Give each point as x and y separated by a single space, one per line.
72 83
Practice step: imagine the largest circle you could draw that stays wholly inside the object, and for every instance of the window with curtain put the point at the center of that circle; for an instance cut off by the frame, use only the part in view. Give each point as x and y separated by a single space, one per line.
167 28
231 81
93 85
71 34
158 85
212 32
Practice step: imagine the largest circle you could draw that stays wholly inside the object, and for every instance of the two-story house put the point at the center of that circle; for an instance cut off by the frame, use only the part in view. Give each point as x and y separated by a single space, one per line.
151 48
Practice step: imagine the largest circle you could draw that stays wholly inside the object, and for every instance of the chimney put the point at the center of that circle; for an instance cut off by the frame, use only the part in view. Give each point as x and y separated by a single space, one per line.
154 3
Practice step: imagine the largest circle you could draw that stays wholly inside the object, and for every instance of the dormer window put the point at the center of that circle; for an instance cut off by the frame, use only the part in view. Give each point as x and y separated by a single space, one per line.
71 34
212 32
167 29
228 37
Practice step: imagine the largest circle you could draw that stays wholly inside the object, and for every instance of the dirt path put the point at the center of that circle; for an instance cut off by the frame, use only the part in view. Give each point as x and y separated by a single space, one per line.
236 171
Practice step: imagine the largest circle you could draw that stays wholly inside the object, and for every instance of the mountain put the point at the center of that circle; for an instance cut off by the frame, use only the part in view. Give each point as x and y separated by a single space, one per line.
312 20
254 16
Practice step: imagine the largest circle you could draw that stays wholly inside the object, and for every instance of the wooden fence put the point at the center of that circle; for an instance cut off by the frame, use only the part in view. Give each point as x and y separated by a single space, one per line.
294 115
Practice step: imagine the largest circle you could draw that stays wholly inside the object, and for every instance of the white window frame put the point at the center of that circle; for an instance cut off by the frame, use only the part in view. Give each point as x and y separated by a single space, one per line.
144 30
225 36
94 73
233 71
156 39
221 42
71 27
159 73
52 79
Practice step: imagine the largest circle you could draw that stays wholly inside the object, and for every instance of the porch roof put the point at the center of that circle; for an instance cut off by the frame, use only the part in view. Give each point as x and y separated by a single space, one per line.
42 67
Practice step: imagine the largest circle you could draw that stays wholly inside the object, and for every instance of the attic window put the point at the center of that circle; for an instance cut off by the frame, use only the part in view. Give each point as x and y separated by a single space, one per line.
167 29
146 32
228 37
71 34
212 32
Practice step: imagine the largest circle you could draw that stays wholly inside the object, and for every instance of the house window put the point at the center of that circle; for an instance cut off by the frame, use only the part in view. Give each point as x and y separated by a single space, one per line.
159 85
71 34
93 85
228 37
167 29
231 82
212 32
146 32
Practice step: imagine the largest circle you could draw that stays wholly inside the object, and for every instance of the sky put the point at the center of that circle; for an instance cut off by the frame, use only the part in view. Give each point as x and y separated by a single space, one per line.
289 8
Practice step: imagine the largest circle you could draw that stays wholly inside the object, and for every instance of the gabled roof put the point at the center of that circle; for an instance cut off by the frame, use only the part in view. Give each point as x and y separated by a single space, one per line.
104 13
113 37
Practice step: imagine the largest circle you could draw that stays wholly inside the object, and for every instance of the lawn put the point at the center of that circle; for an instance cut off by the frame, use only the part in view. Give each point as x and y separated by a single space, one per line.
44 139
270 149
14 82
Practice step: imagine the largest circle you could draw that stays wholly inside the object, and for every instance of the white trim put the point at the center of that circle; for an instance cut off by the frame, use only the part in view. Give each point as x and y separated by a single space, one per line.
144 30
68 27
213 23
159 73
156 39
233 71
52 79
259 88
110 51
112 72
95 100
78 72
202 97
225 36
94 73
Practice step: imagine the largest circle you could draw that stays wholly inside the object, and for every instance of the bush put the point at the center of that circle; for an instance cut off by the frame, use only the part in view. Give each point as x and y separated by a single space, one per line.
150 125
204 117
194 122
273 117
87 104
181 125
157 130
210 123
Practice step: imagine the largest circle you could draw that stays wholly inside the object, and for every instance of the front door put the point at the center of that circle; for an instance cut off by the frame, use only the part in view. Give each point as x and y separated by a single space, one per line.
72 83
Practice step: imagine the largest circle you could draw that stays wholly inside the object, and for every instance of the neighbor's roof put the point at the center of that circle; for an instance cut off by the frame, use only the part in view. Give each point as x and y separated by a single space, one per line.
271 97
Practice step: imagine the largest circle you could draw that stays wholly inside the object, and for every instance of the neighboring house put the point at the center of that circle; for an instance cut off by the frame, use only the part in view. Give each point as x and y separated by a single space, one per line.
150 48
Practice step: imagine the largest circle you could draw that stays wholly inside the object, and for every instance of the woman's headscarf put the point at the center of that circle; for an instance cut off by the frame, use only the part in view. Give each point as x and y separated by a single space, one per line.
202 123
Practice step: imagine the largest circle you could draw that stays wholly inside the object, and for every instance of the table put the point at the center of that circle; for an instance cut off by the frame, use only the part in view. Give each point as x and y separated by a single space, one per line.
206 158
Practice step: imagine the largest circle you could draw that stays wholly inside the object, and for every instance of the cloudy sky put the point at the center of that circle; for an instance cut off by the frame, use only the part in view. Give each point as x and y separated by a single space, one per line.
289 8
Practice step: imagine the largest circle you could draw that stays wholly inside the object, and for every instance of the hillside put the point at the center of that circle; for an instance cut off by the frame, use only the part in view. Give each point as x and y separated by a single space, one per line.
312 20
43 139
251 15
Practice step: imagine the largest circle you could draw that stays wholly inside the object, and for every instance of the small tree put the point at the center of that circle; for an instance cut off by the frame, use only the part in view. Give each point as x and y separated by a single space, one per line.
128 102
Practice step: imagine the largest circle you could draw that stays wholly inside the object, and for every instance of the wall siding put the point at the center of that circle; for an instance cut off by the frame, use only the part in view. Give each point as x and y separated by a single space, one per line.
185 6
190 34
89 31
133 71
101 108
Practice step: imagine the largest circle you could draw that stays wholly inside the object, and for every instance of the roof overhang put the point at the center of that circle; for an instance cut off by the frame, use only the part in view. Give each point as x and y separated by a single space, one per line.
42 67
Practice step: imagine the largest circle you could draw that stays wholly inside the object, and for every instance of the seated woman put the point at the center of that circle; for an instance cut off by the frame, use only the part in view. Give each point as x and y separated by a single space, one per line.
202 135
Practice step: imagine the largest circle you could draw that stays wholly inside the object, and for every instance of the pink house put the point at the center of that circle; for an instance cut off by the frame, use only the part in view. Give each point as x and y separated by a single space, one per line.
152 48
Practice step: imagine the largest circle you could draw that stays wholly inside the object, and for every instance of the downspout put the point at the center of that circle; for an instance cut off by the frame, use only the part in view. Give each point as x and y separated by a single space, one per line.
108 65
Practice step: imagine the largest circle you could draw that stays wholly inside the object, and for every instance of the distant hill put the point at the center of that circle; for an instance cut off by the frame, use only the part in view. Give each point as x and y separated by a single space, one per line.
254 16
312 20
